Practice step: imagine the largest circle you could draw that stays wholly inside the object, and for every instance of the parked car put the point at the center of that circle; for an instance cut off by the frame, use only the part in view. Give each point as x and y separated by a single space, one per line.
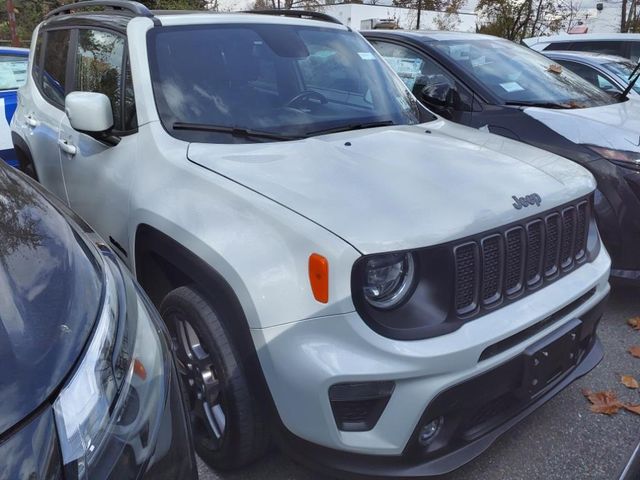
383 291
89 385
493 84
13 74
625 45
607 72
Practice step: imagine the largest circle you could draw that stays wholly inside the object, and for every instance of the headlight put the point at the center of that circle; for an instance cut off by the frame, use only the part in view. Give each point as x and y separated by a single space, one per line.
388 279
626 158
109 412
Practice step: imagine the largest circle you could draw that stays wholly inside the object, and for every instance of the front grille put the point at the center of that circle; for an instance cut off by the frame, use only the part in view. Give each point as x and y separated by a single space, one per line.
506 263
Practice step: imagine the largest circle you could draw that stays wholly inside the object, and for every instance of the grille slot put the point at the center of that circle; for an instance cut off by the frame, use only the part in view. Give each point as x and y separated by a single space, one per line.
492 269
552 250
568 237
535 245
581 231
466 258
507 263
515 261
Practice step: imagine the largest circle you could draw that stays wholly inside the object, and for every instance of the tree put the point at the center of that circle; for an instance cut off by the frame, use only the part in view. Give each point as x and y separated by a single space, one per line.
31 12
518 19
630 22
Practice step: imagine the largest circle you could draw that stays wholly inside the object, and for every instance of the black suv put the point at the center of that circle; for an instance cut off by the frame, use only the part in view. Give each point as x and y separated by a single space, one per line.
88 383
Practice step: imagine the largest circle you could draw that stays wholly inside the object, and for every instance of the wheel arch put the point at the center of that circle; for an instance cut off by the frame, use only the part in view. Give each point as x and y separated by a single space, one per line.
23 152
163 264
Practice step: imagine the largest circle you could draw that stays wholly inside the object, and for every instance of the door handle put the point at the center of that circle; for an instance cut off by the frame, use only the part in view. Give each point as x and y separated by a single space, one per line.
32 122
67 147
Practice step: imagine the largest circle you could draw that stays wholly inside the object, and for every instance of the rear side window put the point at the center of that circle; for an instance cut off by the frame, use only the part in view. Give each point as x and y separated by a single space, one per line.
610 48
99 60
55 66
634 54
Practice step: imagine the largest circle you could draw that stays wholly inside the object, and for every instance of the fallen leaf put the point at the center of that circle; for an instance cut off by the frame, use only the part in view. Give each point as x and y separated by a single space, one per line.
632 408
604 402
634 323
629 382
635 351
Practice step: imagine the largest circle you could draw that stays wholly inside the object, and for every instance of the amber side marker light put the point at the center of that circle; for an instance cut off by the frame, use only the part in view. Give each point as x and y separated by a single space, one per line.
319 277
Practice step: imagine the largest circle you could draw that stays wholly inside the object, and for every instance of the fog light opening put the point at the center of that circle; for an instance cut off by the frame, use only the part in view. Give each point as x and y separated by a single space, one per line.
429 431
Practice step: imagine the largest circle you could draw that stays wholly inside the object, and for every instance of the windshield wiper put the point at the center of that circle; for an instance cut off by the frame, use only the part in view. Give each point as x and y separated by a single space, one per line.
235 131
349 127
525 103
632 82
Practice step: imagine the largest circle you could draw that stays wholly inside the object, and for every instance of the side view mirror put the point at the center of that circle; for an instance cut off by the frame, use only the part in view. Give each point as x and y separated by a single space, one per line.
438 95
90 113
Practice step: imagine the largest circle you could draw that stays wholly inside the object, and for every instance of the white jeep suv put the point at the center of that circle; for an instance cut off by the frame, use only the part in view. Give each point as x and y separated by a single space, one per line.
380 290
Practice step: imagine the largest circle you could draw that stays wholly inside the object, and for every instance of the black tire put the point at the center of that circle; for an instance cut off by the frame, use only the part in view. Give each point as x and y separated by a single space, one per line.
25 164
243 432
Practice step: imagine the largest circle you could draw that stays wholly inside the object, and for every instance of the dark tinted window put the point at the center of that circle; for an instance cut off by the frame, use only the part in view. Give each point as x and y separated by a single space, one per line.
610 48
55 66
130 118
275 79
634 54
99 59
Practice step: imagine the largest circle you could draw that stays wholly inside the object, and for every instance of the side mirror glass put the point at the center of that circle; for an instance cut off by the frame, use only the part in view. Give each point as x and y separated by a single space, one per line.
89 112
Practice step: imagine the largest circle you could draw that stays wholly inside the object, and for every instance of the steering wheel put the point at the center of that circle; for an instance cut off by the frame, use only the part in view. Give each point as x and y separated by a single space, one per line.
307 95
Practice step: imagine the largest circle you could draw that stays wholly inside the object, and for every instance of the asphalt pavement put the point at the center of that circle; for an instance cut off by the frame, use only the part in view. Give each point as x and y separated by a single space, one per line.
562 440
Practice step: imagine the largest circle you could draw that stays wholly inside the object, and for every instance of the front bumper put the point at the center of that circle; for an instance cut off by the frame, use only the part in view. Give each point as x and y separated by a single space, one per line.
301 361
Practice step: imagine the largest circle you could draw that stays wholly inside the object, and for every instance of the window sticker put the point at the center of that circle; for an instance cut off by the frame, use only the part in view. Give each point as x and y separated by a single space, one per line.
367 55
408 69
512 87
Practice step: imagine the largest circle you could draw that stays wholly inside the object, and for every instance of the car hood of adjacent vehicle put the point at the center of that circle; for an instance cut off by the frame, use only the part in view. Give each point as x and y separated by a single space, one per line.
395 188
615 126
50 292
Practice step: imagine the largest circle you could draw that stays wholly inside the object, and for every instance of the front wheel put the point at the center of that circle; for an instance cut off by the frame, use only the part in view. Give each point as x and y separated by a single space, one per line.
228 426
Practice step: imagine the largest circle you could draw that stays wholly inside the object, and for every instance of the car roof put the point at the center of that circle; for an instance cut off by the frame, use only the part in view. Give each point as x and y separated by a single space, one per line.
119 20
14 51
590 57
583 37
430 35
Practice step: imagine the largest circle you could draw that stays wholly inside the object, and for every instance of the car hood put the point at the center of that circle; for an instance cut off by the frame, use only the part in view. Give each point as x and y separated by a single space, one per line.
615 126
396 188
50 288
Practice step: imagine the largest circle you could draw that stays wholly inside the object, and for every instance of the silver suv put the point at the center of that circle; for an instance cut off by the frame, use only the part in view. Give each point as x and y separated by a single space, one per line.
381 290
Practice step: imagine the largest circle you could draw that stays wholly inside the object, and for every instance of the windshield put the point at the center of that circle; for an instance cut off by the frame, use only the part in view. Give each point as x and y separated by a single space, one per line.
623 71
263 82
13 71
518 75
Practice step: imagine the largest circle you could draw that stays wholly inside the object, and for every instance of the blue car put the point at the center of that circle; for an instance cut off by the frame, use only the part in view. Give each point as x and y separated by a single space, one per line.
13 74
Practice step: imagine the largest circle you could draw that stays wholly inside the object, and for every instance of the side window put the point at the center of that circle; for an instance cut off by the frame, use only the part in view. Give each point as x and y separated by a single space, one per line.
634 53
54 74
559 46
37 57
98 67
591 75
421 74
610 48
130 119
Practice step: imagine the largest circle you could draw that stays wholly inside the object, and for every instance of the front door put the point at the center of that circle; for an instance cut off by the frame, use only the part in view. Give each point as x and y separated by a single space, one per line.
97 174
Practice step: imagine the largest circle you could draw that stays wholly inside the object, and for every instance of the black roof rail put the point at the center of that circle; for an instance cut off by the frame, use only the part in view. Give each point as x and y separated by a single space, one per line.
135 9
297 14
